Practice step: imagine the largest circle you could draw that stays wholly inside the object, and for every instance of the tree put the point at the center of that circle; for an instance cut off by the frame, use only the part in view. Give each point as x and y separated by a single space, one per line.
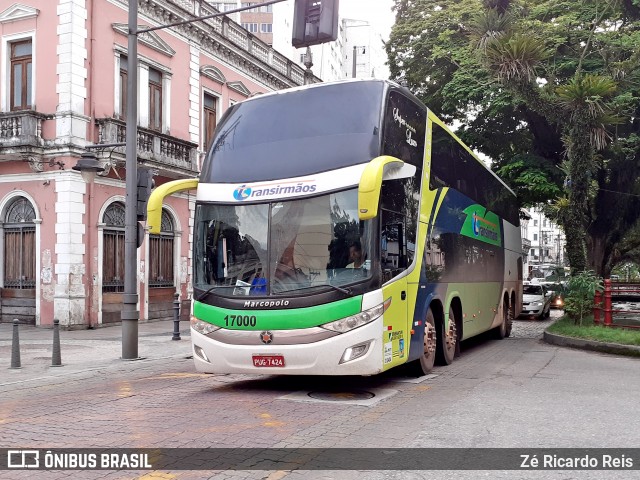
440 67
549 90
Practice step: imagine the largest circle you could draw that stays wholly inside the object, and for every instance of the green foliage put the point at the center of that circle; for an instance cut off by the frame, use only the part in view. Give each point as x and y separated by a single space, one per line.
530 177
537 85
515 56
568 328
627 271
581 290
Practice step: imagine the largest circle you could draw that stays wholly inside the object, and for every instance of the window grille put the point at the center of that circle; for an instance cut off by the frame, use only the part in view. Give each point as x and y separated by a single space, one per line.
161 258
113 249
20 245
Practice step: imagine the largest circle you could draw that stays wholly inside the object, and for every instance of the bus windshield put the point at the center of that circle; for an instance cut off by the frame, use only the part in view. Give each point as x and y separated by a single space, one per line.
282 247
298 133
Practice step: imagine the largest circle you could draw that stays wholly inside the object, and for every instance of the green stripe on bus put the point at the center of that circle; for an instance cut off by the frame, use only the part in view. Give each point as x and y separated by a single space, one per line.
242 319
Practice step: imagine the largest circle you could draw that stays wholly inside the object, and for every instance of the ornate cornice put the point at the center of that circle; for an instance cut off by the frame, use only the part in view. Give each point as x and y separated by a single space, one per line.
17 11
213 73
150 39
239 87
214 43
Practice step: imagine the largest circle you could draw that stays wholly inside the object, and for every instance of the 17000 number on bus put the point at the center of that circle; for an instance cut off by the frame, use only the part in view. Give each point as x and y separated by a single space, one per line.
240 320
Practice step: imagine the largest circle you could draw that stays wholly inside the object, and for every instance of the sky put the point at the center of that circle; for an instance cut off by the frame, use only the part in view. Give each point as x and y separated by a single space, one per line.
377 12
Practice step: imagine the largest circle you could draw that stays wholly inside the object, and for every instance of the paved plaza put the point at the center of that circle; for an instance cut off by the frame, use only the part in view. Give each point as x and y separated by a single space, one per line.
518 392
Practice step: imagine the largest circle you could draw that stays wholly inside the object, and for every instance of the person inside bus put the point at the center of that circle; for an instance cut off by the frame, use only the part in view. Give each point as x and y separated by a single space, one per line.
355 255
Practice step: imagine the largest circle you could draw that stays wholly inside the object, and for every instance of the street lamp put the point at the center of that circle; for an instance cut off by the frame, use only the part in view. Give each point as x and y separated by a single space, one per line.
88 166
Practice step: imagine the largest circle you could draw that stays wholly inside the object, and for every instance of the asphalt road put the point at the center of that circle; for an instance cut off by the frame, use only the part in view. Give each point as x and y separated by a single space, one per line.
518 392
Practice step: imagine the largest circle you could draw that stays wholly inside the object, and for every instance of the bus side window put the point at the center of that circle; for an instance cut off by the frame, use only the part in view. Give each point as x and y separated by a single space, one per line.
393 246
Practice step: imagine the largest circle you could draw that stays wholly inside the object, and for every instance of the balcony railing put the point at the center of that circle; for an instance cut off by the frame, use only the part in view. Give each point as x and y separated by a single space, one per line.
21 129
155 148
245 40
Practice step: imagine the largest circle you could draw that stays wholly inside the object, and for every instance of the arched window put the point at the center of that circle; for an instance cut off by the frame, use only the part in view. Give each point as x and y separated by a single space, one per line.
113 251
20 245
161 254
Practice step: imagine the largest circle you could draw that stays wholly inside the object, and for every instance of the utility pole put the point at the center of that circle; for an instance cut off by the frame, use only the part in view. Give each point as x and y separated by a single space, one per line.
355 56
130 313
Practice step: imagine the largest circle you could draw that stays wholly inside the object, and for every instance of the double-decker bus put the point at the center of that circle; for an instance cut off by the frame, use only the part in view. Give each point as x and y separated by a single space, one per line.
342 229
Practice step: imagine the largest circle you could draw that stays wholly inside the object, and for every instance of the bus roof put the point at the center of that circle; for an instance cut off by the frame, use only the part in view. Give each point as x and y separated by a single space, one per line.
297 132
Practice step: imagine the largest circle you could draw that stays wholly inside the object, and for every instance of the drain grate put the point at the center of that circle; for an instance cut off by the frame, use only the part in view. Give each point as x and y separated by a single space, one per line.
342 396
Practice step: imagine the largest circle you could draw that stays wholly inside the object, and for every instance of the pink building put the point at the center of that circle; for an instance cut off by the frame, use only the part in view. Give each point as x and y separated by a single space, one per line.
63 72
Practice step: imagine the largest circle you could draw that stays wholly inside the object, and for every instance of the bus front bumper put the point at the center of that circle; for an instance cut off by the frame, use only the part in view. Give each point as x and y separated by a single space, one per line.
319 358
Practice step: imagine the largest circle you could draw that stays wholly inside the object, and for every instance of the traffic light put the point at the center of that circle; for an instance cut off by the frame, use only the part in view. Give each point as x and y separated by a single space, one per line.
145 184
314 22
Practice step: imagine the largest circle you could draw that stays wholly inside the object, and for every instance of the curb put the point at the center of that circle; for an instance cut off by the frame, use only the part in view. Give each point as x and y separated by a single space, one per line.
584 344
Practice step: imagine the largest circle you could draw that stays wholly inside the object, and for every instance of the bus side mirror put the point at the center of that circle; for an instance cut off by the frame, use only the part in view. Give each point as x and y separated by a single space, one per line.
154 205
377 170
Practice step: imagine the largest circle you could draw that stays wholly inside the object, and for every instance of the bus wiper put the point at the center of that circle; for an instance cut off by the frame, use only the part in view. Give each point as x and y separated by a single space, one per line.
207 292
346 291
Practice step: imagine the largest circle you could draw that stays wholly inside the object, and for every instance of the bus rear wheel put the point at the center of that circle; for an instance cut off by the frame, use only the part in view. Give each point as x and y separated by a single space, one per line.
448 342
504 330
424 364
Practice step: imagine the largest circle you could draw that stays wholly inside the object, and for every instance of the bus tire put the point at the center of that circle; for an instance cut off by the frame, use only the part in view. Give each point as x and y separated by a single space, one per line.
504 329
424 364
510 316
448 342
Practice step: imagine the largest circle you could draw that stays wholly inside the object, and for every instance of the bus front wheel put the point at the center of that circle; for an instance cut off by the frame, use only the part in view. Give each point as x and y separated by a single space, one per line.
424 364
448 342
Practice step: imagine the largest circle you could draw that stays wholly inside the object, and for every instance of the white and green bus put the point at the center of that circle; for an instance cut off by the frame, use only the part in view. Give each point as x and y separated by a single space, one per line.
343 229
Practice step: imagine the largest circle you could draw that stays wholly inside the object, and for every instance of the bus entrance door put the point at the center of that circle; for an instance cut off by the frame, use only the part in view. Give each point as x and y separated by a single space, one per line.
395 334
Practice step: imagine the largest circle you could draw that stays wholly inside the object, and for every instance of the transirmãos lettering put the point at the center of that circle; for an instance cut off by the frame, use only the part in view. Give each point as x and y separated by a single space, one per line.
485 232
243 193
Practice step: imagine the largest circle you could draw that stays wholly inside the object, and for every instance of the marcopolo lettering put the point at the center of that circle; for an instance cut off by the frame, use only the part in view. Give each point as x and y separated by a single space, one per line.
266 303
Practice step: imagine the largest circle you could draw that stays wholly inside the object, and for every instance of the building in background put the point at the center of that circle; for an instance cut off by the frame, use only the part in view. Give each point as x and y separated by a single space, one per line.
334 60
364 52
258 21
525 218
63 88
547 244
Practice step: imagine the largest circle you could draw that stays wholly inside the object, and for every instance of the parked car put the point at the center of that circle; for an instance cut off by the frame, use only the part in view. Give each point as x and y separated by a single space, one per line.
536 301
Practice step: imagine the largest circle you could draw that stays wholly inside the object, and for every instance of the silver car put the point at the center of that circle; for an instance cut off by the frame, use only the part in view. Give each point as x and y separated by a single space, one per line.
536 301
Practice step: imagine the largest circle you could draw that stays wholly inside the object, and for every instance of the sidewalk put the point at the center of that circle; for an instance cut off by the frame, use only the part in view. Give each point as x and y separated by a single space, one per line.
82 350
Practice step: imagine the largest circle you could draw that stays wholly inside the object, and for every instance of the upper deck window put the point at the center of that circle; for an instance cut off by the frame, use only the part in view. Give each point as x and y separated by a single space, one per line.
297 133
453 166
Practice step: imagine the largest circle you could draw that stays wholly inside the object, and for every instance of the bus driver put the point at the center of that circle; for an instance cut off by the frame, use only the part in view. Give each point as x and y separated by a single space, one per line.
355 255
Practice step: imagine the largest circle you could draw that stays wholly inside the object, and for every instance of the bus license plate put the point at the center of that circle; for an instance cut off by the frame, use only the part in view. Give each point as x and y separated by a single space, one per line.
268 360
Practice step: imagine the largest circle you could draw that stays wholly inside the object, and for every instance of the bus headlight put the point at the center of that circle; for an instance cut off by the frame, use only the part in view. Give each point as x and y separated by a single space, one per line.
203 327
354 321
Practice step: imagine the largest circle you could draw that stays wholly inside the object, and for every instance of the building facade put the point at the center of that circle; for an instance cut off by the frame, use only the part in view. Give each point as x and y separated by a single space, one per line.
258 20
334 60
546 244
63 78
